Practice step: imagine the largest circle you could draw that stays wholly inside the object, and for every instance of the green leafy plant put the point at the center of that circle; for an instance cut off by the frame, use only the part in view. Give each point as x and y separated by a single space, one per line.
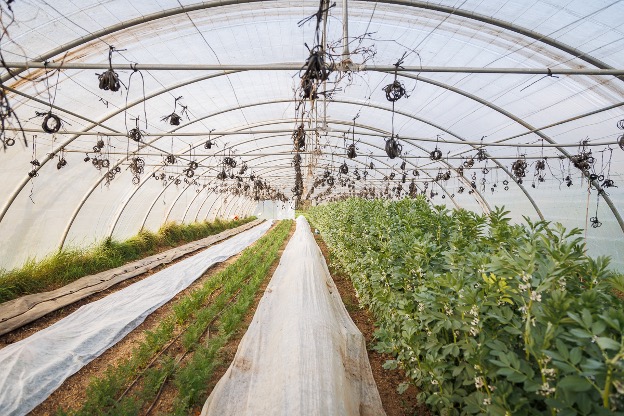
484 316
68 265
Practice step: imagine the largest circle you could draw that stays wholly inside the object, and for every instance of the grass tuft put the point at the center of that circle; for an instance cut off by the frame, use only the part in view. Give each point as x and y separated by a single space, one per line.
70 264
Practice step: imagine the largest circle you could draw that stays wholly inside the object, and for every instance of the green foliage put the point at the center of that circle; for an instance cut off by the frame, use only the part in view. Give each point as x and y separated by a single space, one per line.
253 268
68 265
226 297
484 316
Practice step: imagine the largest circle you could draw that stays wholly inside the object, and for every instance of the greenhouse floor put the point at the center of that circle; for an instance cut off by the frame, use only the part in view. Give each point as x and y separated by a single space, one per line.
72 392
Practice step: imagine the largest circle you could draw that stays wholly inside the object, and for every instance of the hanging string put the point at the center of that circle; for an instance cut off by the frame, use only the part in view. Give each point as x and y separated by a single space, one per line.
135 70
33 173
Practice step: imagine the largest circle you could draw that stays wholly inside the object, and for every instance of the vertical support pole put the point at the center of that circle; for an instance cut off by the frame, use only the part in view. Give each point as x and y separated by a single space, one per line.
345 32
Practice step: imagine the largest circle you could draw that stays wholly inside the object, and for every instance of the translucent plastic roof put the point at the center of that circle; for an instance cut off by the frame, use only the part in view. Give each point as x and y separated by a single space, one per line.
520 81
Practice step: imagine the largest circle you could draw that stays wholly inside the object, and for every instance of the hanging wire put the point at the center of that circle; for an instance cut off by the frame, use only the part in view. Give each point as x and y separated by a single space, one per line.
135 71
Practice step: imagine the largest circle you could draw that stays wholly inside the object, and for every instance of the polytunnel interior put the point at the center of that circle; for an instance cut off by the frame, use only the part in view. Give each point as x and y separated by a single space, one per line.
516 105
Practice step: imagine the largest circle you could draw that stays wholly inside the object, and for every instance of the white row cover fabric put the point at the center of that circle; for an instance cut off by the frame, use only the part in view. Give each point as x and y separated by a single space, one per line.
302 353
36 366
19 312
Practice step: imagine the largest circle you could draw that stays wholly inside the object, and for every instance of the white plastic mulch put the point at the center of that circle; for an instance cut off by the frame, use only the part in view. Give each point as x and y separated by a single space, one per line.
33 368
302 354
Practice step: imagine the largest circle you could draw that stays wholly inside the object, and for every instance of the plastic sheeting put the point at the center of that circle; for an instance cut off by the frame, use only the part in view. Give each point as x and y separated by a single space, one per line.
504 108
36 366
19 312
274 210
302 353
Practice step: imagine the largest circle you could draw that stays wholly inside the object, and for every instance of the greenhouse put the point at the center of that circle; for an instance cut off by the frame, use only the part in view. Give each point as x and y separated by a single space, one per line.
394 207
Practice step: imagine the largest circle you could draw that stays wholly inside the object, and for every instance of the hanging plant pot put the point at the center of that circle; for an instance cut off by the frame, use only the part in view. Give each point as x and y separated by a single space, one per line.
395 91
393 148
519 168
109 81
351 153
344 169
228 161
174 119
436 154
135 134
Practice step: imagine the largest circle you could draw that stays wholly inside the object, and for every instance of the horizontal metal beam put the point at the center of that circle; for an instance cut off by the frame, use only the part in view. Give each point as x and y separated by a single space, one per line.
220 154
341 131
295 66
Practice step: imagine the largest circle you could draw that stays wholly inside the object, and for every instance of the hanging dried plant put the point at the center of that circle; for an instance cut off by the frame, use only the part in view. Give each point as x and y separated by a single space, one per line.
109 80
393 147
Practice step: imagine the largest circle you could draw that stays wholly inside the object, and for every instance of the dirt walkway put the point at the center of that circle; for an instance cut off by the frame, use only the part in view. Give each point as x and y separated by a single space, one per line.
394 404
72 393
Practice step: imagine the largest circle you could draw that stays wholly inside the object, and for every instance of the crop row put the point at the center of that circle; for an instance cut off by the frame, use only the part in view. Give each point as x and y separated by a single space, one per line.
199 325
67 265
484 316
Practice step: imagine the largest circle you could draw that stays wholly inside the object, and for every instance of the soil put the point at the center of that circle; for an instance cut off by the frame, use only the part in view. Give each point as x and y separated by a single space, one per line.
388 381
72 393
227 353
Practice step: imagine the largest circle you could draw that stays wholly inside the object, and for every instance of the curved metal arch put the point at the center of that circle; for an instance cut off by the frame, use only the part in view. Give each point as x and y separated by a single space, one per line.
487 207
538 37
216 214
249 209
199 79
244 206
234 206
189 206
200 208
152 205
83 201
212 206
225 211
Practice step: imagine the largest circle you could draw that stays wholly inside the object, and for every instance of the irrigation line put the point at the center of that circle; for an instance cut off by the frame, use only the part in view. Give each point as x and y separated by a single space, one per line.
209 297
179 360
206 330
161 352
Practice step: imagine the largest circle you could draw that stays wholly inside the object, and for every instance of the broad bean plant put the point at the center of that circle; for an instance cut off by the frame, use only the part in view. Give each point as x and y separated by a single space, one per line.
484 316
